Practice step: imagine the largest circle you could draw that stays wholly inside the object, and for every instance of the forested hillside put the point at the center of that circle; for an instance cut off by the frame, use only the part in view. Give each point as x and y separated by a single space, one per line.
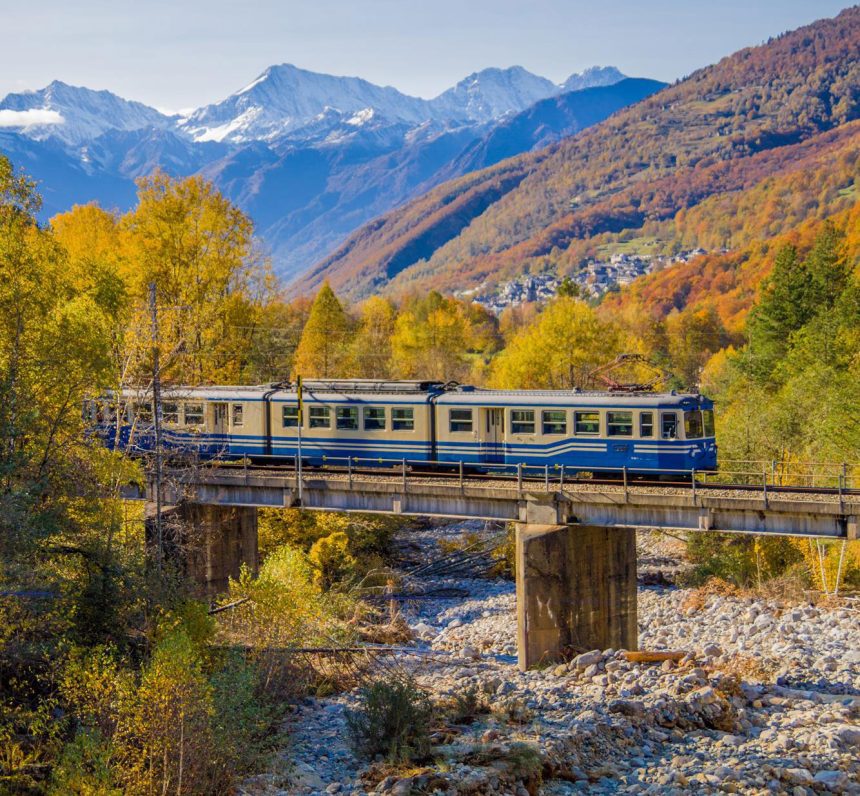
726 128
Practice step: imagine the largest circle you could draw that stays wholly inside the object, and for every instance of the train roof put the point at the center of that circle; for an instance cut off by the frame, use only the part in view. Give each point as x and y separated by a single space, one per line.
334 390
481 397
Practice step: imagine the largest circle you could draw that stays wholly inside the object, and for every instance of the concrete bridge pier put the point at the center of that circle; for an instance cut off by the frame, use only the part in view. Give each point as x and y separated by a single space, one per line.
576 590
209 542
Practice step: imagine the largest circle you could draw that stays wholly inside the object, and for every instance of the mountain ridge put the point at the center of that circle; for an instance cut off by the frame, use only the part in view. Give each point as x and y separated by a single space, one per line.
307 179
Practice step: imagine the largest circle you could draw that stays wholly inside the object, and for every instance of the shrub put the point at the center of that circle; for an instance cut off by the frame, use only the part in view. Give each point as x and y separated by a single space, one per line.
465 707
166 731
369 534
285 609
332 560
506 555
177 726
242 722
742 560
85 768
393 721
517 762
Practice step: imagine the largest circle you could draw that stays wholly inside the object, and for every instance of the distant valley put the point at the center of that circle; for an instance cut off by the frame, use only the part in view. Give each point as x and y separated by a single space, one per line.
310 157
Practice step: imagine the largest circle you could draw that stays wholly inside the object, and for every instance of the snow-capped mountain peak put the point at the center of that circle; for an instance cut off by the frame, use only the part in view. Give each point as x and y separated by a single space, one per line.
74 114
284 98
493 92
592 77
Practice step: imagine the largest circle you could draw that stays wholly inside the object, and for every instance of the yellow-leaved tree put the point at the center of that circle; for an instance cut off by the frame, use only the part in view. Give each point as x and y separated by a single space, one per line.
431 338
372 346
199 251
325 346
558 349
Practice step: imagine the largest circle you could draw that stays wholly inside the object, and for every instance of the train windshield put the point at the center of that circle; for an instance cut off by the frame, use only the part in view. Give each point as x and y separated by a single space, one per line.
699 423
693 426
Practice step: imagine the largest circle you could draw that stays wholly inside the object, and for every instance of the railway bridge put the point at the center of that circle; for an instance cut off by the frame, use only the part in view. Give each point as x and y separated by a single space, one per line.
576 546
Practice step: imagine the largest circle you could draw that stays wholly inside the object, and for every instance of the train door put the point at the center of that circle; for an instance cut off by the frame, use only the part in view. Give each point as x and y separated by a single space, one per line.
220 422
492 435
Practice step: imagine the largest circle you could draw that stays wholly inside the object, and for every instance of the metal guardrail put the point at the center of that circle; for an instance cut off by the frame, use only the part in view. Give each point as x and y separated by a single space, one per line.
555 476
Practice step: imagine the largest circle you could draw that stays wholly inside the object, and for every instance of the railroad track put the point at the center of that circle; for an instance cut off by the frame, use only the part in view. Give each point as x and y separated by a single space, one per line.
554 478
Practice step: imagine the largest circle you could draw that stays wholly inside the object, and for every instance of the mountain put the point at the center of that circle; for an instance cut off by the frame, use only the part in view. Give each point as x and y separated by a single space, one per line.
723 129
550 120
592 77
306 200
311 157
75 115
492 93
284 98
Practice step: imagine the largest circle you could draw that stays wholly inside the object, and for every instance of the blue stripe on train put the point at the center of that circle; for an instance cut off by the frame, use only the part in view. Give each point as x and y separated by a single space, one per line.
574 452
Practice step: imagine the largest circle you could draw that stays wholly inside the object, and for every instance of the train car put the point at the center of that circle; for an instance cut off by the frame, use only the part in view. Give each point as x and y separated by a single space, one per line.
590 431
379 422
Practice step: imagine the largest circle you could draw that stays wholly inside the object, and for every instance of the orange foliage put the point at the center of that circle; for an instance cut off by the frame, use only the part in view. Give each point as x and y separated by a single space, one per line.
729 282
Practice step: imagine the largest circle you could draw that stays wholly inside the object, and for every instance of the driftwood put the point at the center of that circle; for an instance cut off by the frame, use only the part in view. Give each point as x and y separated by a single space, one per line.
653 657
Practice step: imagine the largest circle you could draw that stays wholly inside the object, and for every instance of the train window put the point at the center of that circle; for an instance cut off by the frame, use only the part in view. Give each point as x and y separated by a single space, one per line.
290 417
460 420
319 417
143 412
708 422
554 421
346 417
669 425
374 418
170 413
586 422
402 419
193 414
619 424
238 414
646 424
693 424
522 421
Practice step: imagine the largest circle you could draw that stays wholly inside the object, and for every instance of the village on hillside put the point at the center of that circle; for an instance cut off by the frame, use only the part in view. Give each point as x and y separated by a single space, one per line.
596 278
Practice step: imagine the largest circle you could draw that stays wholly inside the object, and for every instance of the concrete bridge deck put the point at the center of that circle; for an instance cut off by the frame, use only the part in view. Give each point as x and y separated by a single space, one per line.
728 508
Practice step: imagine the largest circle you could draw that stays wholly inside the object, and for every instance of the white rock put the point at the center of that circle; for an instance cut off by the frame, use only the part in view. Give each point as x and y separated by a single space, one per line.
586 659
801 776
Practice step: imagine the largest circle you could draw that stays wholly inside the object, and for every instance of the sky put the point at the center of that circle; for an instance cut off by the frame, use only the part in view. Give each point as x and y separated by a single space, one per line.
179 54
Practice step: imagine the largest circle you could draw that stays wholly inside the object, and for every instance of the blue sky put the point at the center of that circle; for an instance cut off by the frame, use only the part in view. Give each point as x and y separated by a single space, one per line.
183 53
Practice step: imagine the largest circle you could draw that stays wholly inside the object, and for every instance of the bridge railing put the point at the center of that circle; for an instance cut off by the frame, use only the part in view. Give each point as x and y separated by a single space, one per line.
754 475
796 473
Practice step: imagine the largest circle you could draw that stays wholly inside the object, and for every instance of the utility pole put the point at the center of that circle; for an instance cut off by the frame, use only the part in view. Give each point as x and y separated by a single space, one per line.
156 419
301 407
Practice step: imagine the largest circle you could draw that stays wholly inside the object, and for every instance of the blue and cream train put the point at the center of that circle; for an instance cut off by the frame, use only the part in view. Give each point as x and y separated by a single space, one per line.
383 422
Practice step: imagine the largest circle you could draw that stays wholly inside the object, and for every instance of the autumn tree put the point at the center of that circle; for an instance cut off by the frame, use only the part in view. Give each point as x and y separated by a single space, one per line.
693 335
558 349
431 339
275 339
199 250
372 345
324 348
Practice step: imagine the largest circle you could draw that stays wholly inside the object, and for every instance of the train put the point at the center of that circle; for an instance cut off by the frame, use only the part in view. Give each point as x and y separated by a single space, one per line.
383 423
